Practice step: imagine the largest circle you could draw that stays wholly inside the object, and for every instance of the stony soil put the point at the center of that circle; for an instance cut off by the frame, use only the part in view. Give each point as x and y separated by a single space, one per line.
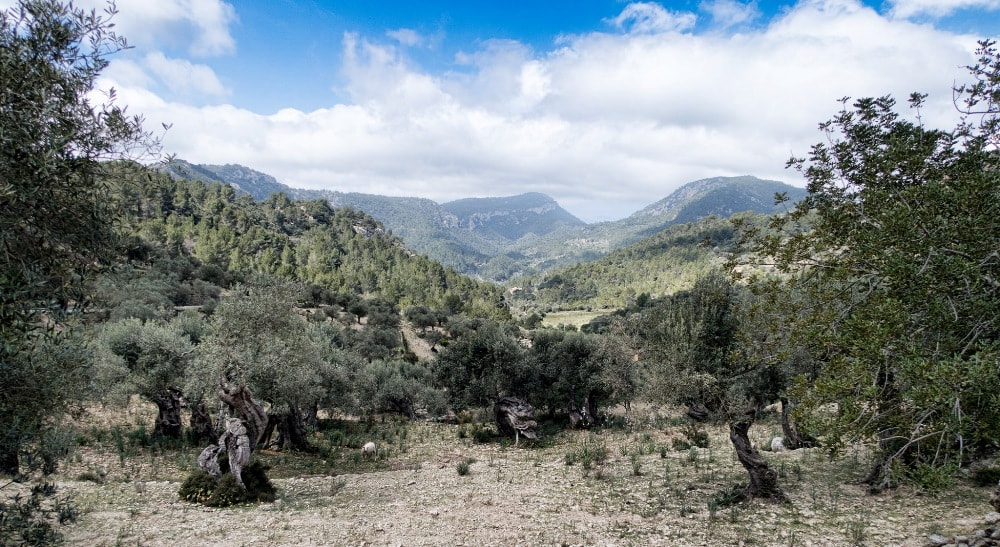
528 495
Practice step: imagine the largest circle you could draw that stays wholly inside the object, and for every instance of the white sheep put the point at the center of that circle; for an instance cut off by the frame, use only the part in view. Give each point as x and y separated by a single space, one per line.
777 444
368 451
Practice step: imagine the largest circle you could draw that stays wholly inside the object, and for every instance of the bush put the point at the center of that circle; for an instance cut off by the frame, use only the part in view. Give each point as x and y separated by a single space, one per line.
696 435
201 488
27 520
463 467
985 473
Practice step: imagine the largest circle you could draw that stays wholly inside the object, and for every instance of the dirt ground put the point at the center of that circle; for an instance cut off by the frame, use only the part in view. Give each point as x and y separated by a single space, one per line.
548 493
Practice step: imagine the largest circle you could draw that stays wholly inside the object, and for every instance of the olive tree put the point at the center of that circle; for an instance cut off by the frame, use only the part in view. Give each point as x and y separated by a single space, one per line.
896 244
56 221
261 351
694 353
150 359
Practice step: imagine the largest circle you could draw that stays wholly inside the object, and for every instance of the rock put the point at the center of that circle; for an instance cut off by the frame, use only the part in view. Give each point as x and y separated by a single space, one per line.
992 517
936 540
777 444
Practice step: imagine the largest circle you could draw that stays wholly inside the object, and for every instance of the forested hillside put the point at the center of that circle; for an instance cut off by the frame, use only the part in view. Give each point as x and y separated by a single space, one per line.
339 250
280 336
656 266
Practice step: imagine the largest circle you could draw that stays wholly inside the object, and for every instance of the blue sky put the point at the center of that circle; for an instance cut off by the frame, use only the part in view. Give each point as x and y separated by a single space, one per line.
605 105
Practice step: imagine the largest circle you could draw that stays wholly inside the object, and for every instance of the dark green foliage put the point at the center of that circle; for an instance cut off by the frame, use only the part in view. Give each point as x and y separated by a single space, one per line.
689 338
336 251
400 387
894 254
56 221
696 435
200 487
481 365
729 496
29 520
662 264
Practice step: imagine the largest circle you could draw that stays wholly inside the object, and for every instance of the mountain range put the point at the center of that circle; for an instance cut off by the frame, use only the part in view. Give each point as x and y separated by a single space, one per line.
501 237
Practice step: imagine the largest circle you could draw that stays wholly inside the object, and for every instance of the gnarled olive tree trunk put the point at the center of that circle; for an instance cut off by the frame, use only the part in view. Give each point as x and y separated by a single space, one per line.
514 418
168 417
201 423
254 417
292 431
794 438
763 479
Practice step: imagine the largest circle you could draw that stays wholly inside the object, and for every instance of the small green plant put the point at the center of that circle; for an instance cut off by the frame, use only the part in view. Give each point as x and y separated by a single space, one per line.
713 509
930 478
856 531
482 435
636 464
337 486
462 467
985 473
696 435
729 496
28 520
91 476
679 445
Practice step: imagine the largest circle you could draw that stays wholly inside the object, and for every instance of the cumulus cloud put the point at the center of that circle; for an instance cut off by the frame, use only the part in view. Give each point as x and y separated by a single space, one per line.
649 17
606 122
200 27
730 13
937 8
406 37
184 77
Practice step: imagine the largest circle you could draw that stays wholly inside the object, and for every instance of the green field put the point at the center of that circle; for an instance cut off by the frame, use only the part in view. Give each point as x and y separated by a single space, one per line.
576 318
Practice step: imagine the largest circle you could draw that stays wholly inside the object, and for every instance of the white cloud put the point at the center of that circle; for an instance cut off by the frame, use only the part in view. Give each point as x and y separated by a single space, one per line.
201 27
406 37
730 13
607 123
649 17
183 77
938 8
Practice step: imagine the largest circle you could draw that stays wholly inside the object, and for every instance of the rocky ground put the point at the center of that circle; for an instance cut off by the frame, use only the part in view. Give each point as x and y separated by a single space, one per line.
549 493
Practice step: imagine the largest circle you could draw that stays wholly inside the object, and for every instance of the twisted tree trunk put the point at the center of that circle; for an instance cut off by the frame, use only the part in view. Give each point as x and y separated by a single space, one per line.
292 433
514 418
763 479
9 464
240 400
201 423
794 438
168 417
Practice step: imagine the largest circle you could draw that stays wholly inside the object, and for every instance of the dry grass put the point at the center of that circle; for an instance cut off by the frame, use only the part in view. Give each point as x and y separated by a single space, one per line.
643 493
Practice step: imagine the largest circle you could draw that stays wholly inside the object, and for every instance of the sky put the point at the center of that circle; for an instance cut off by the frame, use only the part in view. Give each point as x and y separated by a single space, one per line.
605 105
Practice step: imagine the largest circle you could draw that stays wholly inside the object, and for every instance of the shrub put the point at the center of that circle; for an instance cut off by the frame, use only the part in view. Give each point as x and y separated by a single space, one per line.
463 467
27 520
201 488
696 435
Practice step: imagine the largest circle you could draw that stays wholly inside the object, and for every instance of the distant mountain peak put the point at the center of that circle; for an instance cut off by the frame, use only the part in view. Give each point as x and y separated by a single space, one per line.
720 196
511 217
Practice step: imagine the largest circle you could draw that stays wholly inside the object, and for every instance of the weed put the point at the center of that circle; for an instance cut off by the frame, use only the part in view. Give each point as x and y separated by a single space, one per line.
856 531
463 467
696 434
337 486
730 496
636 464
